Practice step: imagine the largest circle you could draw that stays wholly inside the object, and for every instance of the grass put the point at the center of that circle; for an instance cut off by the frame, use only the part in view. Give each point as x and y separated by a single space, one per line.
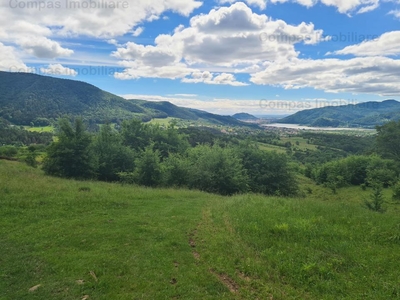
182 123
40 129
302 143
110 241
162 121
269 147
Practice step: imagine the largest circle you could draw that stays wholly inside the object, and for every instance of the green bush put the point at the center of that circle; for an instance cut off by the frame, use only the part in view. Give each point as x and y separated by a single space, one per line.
357 170
269 172
71 155
9 151
216 170
376 201
396 192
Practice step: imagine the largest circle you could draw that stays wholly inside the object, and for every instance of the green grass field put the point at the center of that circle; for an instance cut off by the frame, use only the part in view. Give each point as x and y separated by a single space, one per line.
40 129
88 240
302 143
269 147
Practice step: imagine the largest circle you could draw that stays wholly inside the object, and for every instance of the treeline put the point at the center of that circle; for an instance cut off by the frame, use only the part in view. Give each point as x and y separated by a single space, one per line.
14 135
149 155
348 143
356 170
381 168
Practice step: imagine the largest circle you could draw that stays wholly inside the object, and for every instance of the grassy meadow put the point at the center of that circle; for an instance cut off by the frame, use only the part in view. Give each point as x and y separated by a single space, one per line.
40 128
66 239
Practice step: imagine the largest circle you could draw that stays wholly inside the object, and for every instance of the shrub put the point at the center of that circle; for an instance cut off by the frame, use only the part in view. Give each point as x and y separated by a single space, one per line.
396 192
376 201
9 151
269 172
357 170
71 155
148 168
216 170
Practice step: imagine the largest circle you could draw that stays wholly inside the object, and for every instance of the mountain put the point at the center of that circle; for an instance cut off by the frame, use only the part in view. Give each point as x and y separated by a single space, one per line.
367 114
171 110
30 98
245 117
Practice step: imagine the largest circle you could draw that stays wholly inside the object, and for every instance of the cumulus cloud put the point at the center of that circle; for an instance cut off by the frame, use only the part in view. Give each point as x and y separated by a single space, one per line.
58 69
92 18
214 105
262 4
226 37
387 44
10 62
374 75
35 26
253 106
210 78
343 6
43 47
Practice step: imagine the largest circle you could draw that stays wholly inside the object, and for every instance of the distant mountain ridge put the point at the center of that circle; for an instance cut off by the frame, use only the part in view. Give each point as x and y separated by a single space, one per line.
367 114
245 117
26 98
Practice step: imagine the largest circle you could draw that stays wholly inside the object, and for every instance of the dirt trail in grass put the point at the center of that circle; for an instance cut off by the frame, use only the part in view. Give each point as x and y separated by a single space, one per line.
227 281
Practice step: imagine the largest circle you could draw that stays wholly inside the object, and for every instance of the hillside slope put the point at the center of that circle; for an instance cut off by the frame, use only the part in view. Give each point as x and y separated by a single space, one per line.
25 97
366 114
245 117
93 240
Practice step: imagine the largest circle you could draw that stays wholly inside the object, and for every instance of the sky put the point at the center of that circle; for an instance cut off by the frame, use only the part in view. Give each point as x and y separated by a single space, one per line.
222 56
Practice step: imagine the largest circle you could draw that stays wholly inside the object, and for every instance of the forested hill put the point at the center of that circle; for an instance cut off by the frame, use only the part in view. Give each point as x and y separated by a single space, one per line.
245 117
30 98
366 114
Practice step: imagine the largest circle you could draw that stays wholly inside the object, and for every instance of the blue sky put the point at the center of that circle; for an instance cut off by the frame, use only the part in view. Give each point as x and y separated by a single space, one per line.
256 56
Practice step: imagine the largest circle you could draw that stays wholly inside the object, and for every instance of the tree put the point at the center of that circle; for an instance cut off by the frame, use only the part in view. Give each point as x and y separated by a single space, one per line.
216 170
71 155
31 157
269 172
388 140
148 168
135 134
169 140
176 170
111 155
376 201
396 192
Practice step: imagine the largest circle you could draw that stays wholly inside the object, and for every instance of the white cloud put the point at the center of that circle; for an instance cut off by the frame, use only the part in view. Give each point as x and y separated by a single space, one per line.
34 26
10 62
347 6
372 75
343 6
387 44
395 13
226 37
103 20
43 47
184 95
219 106
58 69
225 106
138 31
210 78
368 8
262 4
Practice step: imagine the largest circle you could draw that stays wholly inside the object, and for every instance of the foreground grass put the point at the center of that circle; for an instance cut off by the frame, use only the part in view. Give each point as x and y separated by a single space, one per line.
121 242
107 241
